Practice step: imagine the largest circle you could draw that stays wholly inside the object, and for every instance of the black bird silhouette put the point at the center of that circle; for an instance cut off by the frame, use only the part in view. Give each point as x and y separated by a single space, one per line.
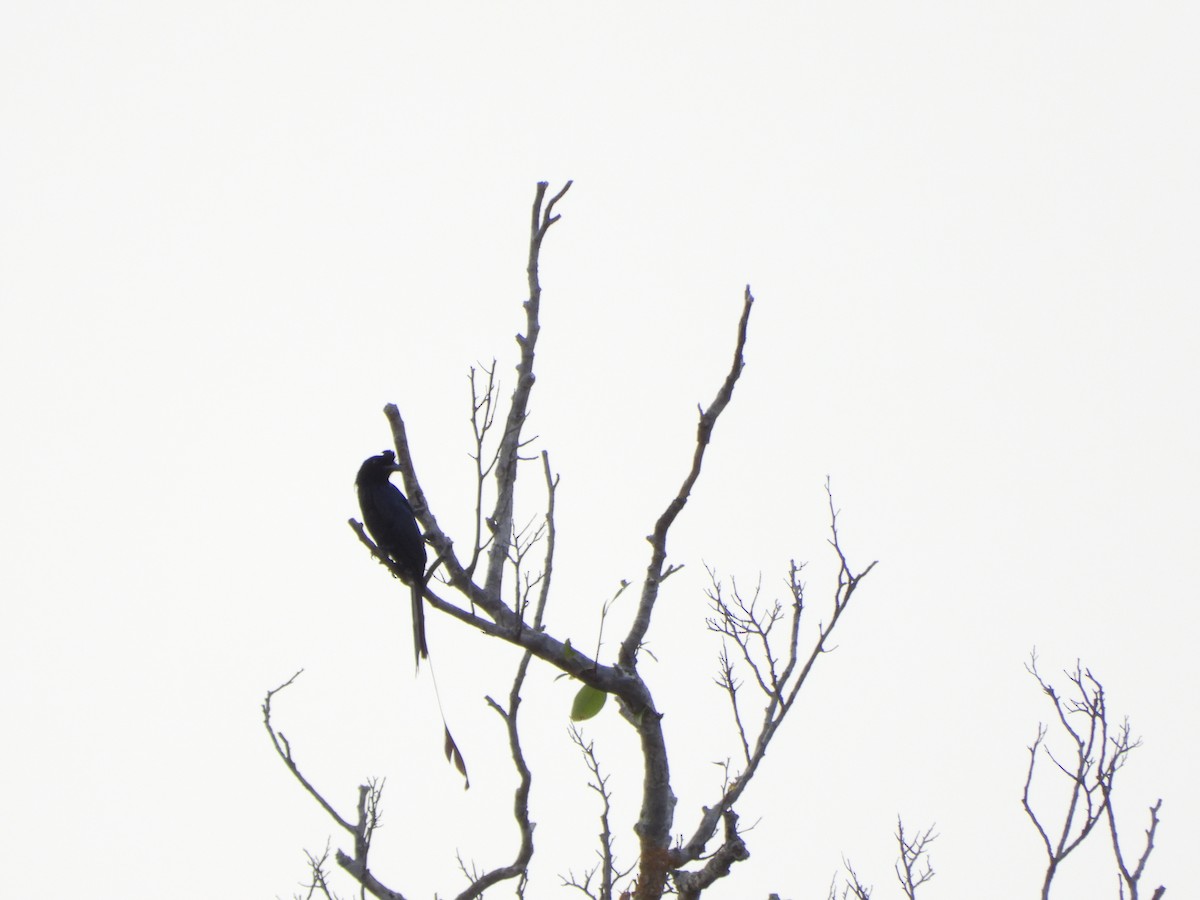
390 520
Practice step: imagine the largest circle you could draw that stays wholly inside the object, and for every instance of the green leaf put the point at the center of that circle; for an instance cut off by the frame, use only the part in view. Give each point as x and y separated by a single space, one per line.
588 702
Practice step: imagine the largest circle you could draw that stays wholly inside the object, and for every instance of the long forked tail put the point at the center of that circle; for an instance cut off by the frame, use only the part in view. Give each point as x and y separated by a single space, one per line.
450 748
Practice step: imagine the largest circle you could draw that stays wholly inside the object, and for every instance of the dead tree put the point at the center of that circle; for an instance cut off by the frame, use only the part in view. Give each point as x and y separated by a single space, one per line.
913 867
475 595
1098 749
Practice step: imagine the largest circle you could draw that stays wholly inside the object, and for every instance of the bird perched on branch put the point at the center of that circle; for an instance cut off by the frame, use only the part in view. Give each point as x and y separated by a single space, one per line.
393 526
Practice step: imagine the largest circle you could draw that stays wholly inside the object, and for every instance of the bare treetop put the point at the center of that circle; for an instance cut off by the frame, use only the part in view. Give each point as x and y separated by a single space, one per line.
500 585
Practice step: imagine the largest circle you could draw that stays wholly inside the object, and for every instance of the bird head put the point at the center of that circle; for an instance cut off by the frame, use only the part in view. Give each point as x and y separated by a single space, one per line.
377 468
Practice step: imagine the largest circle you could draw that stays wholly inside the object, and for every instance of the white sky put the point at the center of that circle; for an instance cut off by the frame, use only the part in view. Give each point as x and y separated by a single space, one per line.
232 231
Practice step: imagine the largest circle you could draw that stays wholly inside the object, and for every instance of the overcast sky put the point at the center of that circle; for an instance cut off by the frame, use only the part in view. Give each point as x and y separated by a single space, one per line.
231 232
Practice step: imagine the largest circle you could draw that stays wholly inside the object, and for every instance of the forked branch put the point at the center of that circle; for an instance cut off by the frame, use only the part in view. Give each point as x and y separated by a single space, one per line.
779 672
914 867
367 819
653 827
510 441
1097 752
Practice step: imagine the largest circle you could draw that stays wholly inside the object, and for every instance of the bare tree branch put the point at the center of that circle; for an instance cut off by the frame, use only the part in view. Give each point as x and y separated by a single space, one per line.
506 464
854 885
508 713
653 827
368 809
909 871
731 685
320 880
285 753
607 865
1132 878
483 416
657 571
733 849
750 628
1091 773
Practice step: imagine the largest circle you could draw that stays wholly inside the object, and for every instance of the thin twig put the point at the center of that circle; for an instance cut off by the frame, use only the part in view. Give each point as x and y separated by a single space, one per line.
1098 756
510 440
909 871
599 783
781 692
368 809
